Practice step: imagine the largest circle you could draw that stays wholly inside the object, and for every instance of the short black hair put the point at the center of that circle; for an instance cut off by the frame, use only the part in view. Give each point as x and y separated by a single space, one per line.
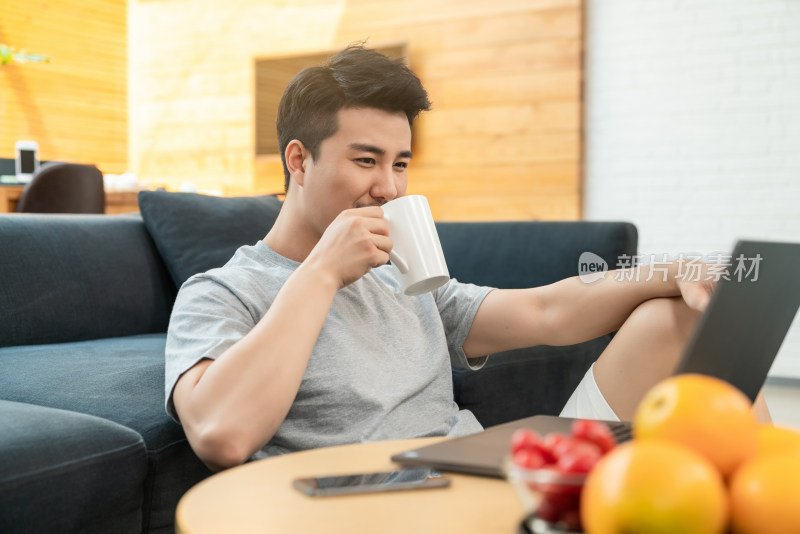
356 77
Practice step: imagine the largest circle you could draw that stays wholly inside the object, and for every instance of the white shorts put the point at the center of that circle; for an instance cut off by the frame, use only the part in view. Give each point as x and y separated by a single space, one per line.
587 402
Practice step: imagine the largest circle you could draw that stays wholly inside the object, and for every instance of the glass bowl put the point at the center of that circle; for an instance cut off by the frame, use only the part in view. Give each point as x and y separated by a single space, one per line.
551 499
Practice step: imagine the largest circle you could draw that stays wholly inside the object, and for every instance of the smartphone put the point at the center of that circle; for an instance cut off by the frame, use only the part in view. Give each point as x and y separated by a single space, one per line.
27 160
403 479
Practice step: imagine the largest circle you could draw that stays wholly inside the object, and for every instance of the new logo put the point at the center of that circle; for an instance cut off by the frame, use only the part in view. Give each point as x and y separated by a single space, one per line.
591 267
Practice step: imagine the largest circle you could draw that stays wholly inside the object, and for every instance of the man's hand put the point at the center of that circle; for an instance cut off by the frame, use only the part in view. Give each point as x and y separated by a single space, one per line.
696 285
355 242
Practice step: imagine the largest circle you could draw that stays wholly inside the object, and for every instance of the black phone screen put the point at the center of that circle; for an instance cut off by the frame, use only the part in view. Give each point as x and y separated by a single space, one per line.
371 482
27 161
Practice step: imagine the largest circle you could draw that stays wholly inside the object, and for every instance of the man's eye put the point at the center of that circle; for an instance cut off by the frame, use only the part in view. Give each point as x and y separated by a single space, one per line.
365 161
401 164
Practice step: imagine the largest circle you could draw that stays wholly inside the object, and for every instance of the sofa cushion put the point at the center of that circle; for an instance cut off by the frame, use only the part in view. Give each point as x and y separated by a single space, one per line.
119 379
525 382
76 277
195 233
53 463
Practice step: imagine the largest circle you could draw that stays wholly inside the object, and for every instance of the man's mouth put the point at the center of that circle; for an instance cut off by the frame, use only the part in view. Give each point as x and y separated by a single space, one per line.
367 204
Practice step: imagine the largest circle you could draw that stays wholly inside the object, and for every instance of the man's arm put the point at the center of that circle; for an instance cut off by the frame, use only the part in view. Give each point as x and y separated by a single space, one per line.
232 406
571 311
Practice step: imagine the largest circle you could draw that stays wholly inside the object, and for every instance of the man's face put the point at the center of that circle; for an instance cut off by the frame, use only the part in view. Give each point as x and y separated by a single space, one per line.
363 164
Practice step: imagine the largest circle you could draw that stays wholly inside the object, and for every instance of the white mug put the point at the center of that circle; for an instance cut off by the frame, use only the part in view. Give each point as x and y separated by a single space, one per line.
417 252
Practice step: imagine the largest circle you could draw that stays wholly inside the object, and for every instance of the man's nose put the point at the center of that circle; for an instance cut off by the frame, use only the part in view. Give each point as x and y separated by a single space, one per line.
385 187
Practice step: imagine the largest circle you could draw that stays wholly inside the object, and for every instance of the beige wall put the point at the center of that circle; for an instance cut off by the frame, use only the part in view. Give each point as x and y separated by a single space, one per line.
76 106
503 140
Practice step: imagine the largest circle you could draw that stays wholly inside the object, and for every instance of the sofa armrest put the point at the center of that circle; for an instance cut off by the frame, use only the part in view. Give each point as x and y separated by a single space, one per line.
536 380
62 471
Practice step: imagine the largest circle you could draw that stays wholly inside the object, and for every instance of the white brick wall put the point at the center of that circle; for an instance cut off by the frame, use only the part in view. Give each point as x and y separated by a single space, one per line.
693 125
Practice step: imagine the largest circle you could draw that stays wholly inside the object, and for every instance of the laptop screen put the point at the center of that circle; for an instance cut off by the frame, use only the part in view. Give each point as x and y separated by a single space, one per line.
750 312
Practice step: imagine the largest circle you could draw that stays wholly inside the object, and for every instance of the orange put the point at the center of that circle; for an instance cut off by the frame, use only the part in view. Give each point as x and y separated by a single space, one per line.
704 413
654 486
764 495
777 439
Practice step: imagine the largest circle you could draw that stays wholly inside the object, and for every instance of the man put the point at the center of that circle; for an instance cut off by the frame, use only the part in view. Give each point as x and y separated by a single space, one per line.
305 339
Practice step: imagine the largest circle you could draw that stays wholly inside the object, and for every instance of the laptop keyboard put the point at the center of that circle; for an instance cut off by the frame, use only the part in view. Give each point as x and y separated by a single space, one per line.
622 431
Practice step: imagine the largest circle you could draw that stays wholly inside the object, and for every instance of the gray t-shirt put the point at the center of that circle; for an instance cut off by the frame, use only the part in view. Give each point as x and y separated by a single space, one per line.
381 367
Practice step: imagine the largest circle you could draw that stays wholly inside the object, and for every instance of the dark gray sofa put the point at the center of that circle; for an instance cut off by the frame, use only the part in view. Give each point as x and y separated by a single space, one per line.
85 443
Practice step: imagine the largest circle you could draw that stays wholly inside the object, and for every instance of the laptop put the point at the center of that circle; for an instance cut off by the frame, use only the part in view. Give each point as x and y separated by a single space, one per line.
736 339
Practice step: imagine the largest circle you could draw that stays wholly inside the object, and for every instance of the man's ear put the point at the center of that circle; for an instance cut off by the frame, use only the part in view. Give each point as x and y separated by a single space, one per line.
296 154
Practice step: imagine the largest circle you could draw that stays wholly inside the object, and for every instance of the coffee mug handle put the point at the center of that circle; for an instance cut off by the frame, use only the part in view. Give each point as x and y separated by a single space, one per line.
398 262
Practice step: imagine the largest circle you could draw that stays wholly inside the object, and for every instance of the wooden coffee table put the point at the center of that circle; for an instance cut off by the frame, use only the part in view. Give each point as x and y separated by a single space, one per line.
259 497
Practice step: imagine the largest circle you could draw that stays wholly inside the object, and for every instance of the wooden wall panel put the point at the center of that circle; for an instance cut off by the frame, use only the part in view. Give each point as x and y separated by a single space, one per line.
504 138
271 77
76 106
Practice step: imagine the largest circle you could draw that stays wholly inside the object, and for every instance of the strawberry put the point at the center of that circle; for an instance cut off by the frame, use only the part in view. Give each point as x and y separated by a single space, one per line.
529 459
596 432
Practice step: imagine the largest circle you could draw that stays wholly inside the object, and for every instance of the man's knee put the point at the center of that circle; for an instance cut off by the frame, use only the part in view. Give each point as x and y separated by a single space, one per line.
667 318
646 350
